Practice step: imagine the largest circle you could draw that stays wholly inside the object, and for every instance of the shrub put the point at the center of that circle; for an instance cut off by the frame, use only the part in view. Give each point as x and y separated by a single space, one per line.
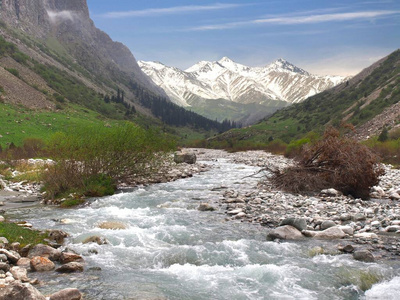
13 71
334 161
91 160
276 147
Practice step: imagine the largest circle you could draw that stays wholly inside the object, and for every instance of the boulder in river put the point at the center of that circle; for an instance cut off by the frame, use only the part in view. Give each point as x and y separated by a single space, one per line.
285 232
363 255
95 239
67 294
113 225
298 223
327 234
41 264
17 290
70 268
67 257
185 157
205 207
45 251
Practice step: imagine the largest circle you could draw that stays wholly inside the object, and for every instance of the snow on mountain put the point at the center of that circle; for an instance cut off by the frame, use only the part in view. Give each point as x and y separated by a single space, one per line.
226 79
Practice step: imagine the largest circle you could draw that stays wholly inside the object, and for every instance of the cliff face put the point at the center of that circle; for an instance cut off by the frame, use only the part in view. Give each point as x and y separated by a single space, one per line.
69 22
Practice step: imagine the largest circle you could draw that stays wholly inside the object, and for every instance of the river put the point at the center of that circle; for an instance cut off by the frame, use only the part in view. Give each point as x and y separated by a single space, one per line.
170 250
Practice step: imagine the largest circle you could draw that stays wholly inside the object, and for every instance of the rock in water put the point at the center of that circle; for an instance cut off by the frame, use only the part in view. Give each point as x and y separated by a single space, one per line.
286 232
185 157
205 207
41 264
327 224
17 290
45 251
328 234
113 225
363 255
67 294
95 239
70 268
298 223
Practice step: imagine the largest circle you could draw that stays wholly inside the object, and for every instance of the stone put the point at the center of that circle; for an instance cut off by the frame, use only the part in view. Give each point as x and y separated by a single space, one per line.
67 294
17 290
19 273
41 264
67 257
12 256
57 236
330 192
345 217
347 229
185 157
298 223
3 240
70 268
376 224
366 235
95 239
347 249
2 219
24 262
15 246
328 234
3 258
327 224
45 251
395 222
113 225
393 228
394 196
4 266
363 255
205 207
235 211
359 217
285 232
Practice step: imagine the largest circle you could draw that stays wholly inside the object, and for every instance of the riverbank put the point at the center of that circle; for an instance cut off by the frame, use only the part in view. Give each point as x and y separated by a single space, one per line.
372 225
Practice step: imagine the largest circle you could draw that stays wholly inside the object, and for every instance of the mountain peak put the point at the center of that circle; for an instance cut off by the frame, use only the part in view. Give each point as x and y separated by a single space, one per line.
226 60
283 65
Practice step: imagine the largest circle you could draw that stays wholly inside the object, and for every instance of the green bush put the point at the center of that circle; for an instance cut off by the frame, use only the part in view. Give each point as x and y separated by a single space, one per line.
13 71
89 161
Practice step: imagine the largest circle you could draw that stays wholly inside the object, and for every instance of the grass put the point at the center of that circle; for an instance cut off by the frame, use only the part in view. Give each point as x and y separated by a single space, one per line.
14 233
19 123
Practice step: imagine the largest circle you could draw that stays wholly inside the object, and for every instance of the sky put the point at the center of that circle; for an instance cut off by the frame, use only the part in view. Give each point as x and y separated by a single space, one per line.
323 37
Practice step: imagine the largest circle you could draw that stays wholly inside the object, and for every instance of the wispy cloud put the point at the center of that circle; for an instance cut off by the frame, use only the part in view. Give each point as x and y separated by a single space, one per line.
303 19
152 12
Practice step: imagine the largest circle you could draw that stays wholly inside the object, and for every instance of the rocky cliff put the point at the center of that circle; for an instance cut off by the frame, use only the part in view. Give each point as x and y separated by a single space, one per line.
69 23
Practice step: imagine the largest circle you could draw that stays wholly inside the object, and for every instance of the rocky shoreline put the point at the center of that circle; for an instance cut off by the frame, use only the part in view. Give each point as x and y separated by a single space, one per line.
368 229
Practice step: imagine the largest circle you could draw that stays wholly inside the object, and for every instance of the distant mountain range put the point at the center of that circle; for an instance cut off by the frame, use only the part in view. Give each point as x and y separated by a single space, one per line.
251 91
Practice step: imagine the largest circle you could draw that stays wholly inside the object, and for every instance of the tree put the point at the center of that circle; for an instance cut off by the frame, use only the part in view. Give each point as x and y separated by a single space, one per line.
384 136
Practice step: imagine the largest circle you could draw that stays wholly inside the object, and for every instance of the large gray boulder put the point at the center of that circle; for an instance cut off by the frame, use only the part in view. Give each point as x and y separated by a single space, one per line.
331 233
286 232
364 255
298 223
17 290
185 157
67 294
45 251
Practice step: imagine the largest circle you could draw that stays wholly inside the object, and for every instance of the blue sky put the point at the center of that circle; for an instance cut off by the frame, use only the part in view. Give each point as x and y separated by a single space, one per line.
322 37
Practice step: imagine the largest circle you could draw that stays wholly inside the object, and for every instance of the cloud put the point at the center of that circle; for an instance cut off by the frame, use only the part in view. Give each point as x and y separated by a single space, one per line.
61 15
297 20
151 12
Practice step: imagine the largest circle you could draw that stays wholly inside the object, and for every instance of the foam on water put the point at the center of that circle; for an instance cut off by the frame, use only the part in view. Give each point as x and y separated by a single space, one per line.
169 250
388 290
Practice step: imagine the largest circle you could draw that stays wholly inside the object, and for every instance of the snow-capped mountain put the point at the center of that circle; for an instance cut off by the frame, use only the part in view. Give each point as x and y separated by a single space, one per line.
228 80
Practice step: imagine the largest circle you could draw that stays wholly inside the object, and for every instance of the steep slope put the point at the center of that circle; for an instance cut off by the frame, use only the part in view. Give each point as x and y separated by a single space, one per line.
57 57
270 86
369 101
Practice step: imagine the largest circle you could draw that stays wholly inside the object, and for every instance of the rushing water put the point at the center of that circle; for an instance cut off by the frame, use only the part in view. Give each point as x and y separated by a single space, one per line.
170 250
